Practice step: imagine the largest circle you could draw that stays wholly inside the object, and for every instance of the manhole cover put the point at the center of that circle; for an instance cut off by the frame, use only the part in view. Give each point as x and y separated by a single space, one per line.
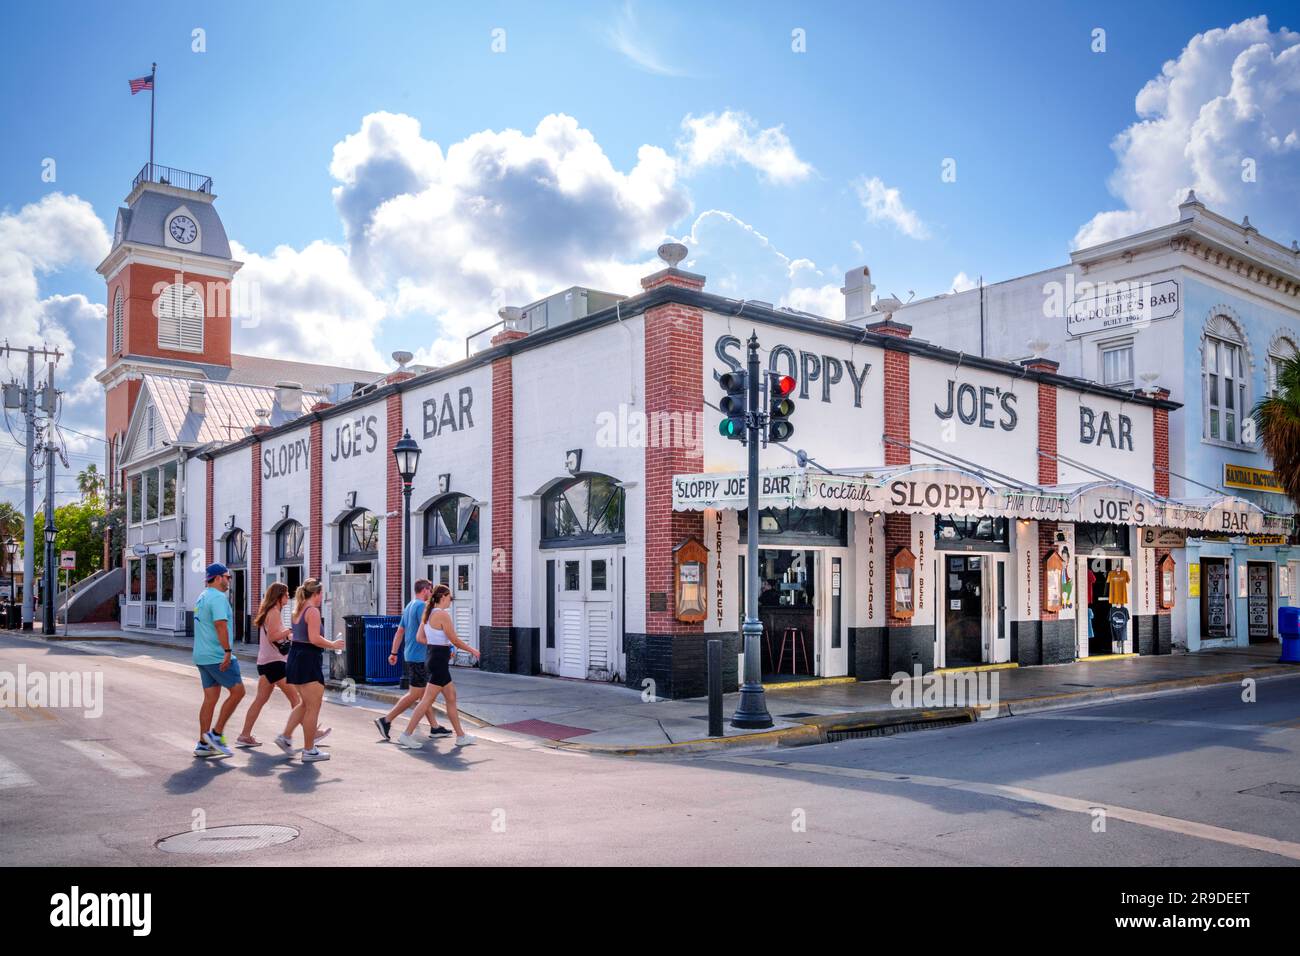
235 839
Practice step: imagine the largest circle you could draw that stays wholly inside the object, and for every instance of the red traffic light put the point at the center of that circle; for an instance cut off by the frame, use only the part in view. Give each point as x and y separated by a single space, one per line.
783 385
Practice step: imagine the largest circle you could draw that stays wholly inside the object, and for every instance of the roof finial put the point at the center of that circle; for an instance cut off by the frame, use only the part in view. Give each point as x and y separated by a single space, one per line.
1245 224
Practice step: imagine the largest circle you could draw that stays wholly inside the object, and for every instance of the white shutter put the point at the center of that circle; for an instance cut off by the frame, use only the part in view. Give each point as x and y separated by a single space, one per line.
573 657
180 319
117 322
598 633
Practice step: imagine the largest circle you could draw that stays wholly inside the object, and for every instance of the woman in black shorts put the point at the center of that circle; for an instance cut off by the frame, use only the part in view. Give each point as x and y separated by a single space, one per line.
438 631
305 670
270 659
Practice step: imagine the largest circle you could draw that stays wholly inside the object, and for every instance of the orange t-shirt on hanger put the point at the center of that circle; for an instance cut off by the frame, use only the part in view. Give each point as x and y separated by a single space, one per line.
1117 585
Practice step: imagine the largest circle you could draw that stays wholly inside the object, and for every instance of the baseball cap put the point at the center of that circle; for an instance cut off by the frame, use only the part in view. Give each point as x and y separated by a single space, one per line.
215 571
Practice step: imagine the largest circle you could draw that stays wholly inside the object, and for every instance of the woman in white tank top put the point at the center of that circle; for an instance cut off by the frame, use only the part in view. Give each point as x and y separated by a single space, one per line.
438 632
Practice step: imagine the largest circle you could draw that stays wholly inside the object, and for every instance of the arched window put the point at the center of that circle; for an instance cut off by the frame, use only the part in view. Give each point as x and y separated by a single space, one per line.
1225 376
359 536
288 543
451 524
1282 347
180 319
236 549
117 323
585 509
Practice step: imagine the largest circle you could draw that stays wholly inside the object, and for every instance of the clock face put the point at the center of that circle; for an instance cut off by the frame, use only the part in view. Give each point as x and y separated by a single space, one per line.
183 229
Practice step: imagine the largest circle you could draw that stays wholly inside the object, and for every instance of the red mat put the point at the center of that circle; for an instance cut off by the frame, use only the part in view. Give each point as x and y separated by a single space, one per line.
544 728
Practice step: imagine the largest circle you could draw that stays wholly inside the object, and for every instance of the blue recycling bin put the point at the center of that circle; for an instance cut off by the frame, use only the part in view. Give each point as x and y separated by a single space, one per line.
380 629
1288 628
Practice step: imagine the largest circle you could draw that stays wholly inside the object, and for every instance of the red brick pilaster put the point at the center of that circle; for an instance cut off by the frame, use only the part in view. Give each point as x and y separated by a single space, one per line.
393 537
1047 465
316 514
898 535
210 549
1160 418
674 405
1046 543
255 542
503 484
898 426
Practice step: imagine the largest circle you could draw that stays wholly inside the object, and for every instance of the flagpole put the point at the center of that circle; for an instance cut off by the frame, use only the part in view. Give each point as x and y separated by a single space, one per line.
153 85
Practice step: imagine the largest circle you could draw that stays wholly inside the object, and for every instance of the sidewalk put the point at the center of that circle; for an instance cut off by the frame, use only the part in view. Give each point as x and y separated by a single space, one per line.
613 719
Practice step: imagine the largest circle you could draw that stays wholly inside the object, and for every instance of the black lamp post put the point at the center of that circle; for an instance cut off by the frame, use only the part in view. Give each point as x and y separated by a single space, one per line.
407 453
51 578
11 551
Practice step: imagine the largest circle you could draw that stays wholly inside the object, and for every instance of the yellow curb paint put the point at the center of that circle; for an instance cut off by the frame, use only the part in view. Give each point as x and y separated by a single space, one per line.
1106 657
976 667
811 682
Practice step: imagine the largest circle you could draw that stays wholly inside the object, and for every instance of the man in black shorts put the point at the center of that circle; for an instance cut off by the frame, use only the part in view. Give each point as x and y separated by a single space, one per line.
413 665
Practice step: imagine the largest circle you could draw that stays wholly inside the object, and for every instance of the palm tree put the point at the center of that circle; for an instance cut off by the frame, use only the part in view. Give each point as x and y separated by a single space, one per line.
90 483
1277 419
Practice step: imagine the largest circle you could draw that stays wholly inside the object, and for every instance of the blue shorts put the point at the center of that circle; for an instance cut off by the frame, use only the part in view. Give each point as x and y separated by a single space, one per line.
213 676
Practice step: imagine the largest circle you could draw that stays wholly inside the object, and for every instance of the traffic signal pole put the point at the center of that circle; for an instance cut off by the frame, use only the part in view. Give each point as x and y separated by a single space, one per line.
751 711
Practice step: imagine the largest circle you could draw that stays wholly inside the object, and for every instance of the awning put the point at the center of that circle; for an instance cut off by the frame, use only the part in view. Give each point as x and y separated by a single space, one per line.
938 489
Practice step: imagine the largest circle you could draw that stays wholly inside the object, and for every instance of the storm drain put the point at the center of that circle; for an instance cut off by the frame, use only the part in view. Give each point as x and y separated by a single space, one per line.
888 730
1277 791
232 839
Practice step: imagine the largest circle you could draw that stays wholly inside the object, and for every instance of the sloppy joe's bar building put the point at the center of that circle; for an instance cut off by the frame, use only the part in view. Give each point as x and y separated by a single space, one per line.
576 495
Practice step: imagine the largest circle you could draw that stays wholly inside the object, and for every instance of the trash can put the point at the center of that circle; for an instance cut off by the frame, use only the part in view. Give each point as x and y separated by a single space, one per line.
354 639
1118 618
1288 628
380 629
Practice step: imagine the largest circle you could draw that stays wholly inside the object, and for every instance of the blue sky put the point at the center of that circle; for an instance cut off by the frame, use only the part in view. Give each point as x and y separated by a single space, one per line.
883 95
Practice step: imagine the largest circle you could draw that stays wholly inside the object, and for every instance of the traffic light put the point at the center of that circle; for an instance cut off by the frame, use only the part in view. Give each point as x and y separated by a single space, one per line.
733 405
780 407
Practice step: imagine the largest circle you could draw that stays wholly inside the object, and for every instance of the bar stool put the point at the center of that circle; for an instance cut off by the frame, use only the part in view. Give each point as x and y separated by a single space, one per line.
792 636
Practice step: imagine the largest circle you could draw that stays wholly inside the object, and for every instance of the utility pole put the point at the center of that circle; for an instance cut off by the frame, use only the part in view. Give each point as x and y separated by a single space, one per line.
28 405
51 566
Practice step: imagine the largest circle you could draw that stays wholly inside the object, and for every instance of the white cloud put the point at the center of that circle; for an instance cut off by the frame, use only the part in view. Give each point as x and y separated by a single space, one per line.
885 204
1231 95
733 137
961 282
826 300
627 37
305 305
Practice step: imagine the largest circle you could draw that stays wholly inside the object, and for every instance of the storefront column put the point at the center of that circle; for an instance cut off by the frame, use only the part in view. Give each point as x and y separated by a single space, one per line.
208 549
254 587
1160 466
394 538
898 392
497 642
316 517
1057 634
671 653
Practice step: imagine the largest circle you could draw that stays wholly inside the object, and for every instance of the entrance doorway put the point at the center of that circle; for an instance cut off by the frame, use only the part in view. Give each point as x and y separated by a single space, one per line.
1216 604
974 614
457 572
1108 585
239 603
787 608
1259 602
586 615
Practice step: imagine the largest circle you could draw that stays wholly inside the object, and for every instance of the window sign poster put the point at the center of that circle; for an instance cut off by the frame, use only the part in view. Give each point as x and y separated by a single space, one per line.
1216 584
1194 580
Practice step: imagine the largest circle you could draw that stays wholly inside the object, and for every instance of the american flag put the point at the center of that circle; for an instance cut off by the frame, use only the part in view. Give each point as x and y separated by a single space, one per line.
143 83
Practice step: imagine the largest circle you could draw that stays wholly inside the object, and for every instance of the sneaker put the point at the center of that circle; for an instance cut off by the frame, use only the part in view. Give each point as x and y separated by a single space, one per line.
385 726
244 740
285 745
464 740
439 731
218 742
410 742
322 734
310 756
205 749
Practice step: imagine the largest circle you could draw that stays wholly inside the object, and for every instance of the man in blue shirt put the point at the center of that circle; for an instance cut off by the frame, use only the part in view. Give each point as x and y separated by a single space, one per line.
414 666
214 624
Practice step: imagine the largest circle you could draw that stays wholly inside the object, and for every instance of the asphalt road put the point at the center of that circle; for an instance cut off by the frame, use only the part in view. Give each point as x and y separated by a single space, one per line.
1195 778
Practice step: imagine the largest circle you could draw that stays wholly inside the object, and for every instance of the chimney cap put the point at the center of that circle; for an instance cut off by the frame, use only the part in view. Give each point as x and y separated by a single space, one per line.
287 384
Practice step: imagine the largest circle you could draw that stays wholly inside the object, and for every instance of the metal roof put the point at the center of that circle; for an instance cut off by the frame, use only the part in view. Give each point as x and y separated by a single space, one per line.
231 409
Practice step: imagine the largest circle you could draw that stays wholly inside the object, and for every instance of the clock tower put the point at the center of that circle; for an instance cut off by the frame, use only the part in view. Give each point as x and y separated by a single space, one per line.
168 276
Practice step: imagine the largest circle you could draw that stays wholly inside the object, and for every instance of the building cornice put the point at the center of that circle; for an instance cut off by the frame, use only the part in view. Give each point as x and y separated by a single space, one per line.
129 253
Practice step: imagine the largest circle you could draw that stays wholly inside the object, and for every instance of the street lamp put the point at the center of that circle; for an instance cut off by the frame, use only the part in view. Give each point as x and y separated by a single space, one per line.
51 587
11 550
407 453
